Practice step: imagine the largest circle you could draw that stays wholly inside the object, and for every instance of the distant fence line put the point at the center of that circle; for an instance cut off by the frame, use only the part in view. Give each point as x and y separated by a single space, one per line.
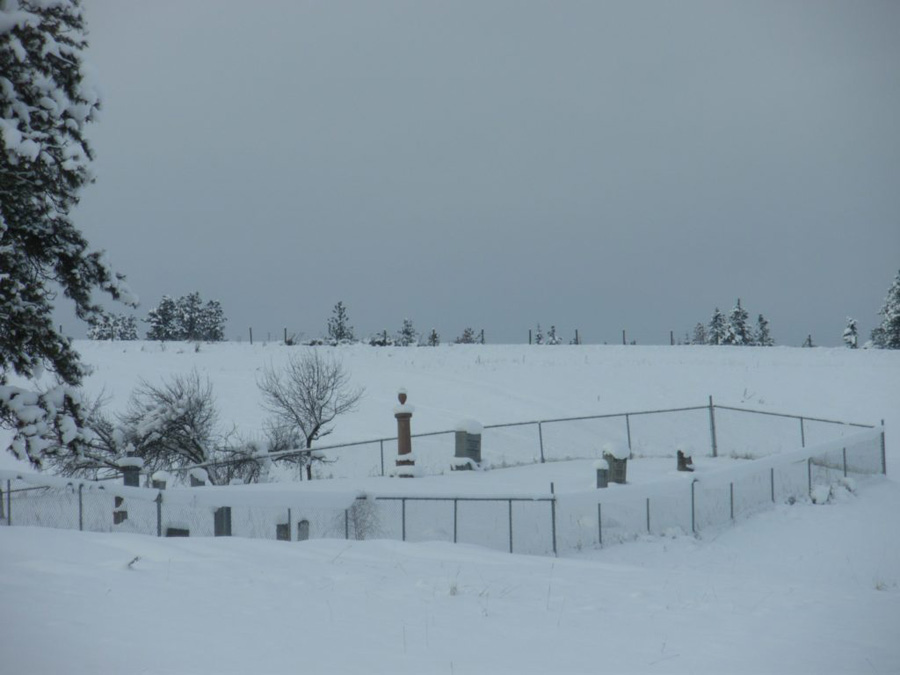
536 524
579 439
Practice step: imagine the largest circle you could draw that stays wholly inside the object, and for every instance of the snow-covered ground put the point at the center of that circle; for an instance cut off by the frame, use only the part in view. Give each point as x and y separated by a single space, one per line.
801 588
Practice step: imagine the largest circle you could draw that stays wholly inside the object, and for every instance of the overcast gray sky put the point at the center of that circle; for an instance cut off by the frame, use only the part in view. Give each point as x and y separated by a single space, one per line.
593 165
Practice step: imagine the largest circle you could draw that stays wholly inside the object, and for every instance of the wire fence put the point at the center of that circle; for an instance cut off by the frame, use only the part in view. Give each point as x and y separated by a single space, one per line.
717 498
710 429
535 524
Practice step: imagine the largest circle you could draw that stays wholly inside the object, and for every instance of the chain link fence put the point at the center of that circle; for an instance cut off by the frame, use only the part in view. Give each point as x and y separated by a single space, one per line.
718 498
534 524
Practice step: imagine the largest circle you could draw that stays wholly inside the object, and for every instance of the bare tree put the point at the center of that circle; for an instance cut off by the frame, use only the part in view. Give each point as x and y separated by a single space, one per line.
308 394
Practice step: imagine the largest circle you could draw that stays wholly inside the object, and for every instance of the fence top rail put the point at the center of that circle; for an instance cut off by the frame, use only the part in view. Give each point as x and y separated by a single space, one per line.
597 417
795 417
461 498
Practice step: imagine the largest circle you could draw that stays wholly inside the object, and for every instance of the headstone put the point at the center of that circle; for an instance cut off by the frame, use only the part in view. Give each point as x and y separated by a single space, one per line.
403 414
617 468
120 513
283 531
303 530
131 476
177 532
222 522
685 462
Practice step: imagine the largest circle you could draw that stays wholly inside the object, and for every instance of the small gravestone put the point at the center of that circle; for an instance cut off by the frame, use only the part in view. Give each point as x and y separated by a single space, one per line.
120 513
160 479
685 462
303 530
198 477
177 532
468 445
283 531
131 470
617 457
222 522
602 467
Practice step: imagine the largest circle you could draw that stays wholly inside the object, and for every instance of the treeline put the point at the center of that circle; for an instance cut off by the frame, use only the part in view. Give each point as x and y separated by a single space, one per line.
184 318
190 318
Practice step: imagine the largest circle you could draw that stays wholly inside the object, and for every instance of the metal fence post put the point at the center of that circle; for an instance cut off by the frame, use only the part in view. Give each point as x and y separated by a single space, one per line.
455 512
381 443
346 523
772 479
403 518
628 430
802 434
731 497
693 508
159 500
541 440
844 452
600 523
883 459
809 475
712 428
553 515
80 508
9 502
510 527
648 515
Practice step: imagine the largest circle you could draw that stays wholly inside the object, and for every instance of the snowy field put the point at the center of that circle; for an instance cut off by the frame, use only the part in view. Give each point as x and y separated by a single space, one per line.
800 588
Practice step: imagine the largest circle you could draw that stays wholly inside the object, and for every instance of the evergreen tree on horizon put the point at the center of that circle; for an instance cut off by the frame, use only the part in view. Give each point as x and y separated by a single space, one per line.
887 335
467 337
339 328
850 336
716 333
762 336
407 336
699 337
737 332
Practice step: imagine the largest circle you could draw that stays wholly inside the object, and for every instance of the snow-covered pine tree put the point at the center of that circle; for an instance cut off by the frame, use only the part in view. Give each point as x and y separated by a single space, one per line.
552 337
538 335
45 105
101 328
717 329
190 316
433 338
887 335
467 337
737 331
212 322
381 339
113 327
339 328
762 337
851 336
164 321
699 337
407 336
125 327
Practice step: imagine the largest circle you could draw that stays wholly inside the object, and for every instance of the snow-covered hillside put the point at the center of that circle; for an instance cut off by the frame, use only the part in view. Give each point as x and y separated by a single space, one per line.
509 383
799 588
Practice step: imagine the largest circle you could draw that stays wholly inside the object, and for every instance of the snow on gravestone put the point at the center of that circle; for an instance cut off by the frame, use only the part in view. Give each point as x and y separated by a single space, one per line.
617 456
